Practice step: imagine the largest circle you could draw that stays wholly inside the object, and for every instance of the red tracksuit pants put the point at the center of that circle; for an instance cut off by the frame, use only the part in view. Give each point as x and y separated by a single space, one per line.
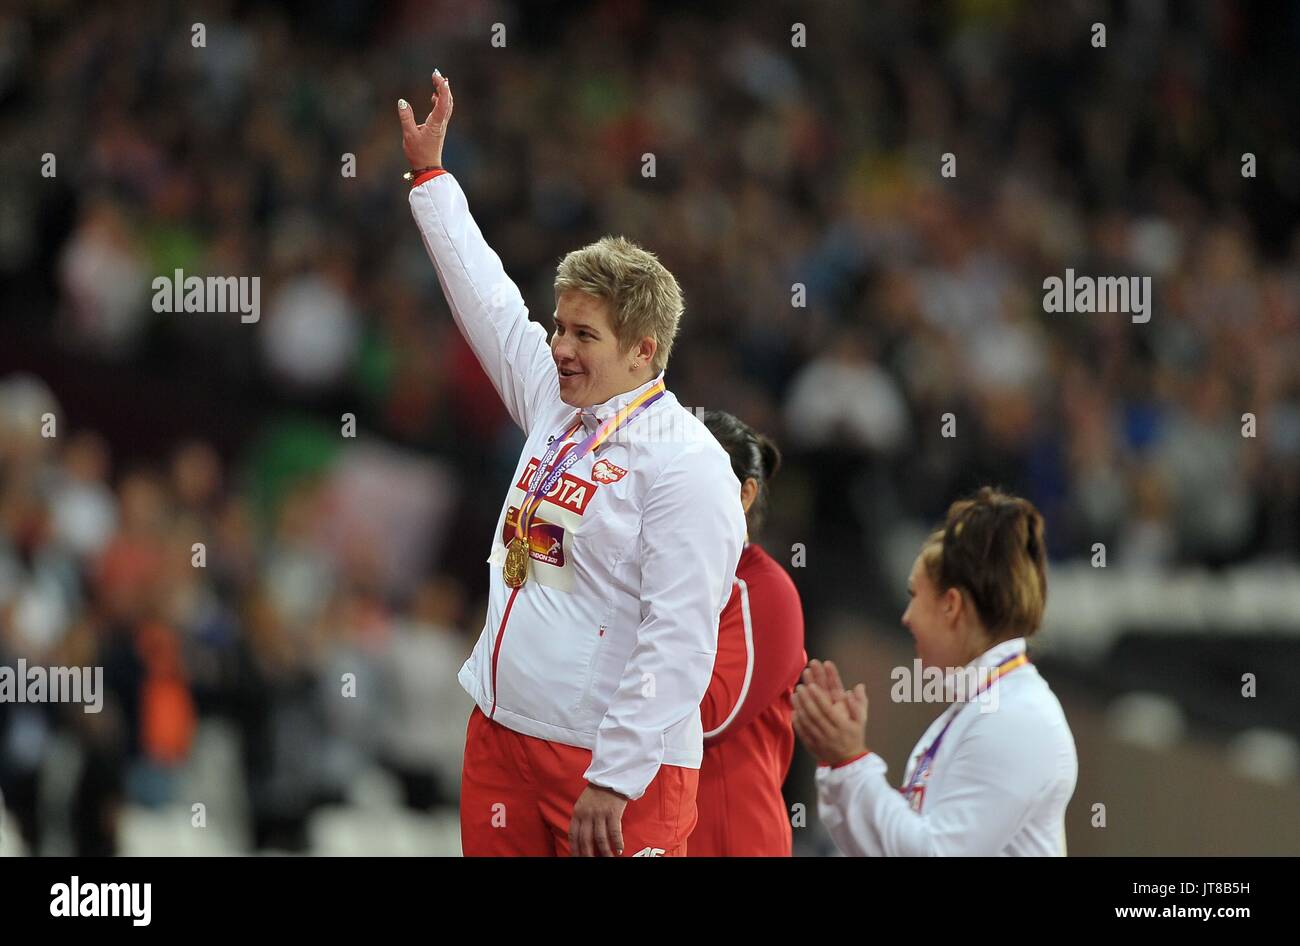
517 794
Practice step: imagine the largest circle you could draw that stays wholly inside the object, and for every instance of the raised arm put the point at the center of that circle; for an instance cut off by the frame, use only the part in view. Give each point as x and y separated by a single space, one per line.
486 305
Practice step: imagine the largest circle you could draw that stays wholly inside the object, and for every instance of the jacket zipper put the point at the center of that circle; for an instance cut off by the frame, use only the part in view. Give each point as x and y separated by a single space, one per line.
496 648
501 632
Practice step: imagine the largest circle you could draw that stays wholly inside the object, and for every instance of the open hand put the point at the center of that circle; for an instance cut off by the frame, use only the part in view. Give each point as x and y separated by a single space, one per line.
596 828
423 143
834 731
824 674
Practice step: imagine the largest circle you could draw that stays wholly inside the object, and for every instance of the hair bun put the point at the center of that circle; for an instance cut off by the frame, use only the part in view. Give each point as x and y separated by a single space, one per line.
991 546
770 455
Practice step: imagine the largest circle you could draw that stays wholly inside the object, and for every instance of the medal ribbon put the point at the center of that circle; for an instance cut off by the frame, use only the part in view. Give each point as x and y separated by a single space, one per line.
1013 662
539 487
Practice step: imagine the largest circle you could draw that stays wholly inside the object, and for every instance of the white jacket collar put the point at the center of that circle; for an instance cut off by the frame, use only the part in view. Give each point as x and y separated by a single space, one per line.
999 652
597 414
962 684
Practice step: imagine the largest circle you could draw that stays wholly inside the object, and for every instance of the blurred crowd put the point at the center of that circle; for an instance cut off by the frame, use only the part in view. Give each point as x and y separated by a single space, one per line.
194 609
842 295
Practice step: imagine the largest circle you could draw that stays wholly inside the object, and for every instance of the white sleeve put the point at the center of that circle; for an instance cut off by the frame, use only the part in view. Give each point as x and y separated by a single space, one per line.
1003 764
486 305
692 530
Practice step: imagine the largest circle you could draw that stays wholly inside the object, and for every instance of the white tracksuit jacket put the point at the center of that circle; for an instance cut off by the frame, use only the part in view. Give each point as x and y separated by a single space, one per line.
999 784
610 643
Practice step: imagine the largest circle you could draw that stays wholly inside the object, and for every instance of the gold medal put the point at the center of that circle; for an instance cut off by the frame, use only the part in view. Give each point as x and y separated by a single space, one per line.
515 571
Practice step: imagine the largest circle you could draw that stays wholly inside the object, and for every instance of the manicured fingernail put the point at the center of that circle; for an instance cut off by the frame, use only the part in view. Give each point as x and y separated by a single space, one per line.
401 103
436 72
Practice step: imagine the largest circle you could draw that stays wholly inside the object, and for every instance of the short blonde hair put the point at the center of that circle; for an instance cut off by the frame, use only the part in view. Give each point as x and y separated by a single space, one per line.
643 297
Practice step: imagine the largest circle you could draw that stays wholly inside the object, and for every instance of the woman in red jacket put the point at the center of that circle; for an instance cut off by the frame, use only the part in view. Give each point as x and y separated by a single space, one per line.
748 737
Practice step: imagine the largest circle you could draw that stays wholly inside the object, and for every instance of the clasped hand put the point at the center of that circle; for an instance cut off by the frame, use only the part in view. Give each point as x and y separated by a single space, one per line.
830 721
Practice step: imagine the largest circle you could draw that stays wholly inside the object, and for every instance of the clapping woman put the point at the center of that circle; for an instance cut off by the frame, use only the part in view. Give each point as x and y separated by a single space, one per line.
990 776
